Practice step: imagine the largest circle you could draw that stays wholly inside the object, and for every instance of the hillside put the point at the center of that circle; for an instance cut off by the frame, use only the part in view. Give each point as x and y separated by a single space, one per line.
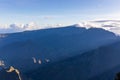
61 53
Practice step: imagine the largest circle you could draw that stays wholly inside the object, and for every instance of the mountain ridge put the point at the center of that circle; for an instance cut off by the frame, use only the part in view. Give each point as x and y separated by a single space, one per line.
31 50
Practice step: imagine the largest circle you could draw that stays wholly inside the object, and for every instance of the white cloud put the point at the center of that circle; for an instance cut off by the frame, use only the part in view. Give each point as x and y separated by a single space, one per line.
18 27
12 28
110 25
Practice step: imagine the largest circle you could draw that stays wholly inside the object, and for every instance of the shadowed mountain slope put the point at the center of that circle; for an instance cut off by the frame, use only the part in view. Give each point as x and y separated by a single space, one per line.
68 53
98 64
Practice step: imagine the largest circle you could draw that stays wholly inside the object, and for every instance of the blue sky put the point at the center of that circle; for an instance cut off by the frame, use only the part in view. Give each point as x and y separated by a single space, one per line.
57 11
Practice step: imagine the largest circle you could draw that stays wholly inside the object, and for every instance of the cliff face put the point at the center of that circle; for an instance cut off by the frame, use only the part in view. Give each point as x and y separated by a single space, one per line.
10 74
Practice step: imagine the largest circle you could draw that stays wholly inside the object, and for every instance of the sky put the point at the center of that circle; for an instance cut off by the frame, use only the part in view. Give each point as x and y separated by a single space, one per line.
53 12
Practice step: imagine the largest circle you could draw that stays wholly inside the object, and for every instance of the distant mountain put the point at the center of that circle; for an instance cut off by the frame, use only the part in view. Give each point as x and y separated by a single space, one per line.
61 49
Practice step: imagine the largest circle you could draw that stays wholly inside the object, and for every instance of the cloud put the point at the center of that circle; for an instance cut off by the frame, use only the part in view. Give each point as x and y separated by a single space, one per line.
18 27
12 28
110 25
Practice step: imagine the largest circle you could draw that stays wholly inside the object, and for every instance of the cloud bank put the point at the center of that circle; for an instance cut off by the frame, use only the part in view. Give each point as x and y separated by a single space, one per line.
18 27
110 25
12 28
